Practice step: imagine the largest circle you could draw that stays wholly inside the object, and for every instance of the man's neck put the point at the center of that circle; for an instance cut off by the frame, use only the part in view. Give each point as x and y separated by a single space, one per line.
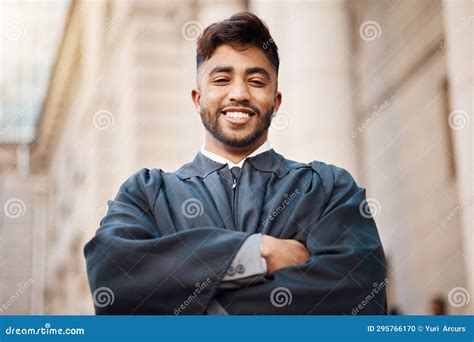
234 154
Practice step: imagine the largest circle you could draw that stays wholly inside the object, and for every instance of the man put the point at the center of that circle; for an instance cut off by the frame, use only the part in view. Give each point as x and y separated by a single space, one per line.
240 229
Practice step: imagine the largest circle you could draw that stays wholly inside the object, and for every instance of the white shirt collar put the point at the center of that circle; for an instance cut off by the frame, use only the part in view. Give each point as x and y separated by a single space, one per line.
217 158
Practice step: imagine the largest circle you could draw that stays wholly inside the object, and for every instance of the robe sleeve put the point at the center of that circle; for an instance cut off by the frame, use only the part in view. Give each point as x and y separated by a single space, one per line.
248 265
346 271
134 268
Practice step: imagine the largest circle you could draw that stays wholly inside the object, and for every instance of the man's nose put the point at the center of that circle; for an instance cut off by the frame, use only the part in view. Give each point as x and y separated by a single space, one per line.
239 92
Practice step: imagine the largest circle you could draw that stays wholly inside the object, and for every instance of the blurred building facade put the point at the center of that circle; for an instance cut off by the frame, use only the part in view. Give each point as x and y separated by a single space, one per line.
381 88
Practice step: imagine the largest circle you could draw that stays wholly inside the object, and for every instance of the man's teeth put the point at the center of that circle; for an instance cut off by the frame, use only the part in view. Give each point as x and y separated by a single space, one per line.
237 115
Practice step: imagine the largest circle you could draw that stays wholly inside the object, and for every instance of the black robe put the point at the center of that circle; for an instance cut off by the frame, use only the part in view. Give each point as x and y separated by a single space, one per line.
168 238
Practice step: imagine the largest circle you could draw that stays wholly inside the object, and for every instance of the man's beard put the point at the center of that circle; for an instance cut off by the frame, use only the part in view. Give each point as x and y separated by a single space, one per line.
213 125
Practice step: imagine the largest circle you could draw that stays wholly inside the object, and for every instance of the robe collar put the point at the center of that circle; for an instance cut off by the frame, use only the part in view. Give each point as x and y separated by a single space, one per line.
268 161
263 148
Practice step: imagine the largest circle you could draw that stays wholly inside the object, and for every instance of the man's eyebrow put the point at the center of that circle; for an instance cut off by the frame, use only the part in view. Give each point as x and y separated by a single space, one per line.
248 71
258 70
218 69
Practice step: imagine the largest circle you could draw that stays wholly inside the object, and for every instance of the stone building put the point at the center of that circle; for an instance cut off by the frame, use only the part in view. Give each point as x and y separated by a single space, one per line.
381 88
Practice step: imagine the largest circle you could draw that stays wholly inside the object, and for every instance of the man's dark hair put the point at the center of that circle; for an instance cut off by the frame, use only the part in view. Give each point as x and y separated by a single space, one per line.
242 30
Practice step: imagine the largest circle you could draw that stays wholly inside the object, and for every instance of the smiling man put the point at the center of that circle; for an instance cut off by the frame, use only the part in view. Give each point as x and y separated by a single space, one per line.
240 229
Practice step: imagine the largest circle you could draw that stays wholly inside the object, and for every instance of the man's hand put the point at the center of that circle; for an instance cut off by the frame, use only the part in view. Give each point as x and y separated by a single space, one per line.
280 253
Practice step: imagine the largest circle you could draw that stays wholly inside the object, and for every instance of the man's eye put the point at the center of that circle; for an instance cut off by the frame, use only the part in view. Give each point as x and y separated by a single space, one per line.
257 82
221 80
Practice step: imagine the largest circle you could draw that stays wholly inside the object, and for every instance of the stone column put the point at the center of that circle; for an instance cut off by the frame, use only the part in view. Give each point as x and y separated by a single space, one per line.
458 23
316 117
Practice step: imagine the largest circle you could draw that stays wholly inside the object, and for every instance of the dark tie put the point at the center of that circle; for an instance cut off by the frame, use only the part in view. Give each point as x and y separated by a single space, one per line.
235 175
235 172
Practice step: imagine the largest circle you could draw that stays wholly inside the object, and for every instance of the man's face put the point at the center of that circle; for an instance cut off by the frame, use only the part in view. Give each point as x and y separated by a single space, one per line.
237 95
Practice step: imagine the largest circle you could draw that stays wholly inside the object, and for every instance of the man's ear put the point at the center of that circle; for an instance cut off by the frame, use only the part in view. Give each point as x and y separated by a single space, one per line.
277 101
196 97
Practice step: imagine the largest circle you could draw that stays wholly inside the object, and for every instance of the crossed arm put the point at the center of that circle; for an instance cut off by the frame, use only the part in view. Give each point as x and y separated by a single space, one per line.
154 272
260 256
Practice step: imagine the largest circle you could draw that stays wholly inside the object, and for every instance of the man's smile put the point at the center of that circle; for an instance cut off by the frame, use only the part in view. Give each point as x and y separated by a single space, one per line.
238 116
